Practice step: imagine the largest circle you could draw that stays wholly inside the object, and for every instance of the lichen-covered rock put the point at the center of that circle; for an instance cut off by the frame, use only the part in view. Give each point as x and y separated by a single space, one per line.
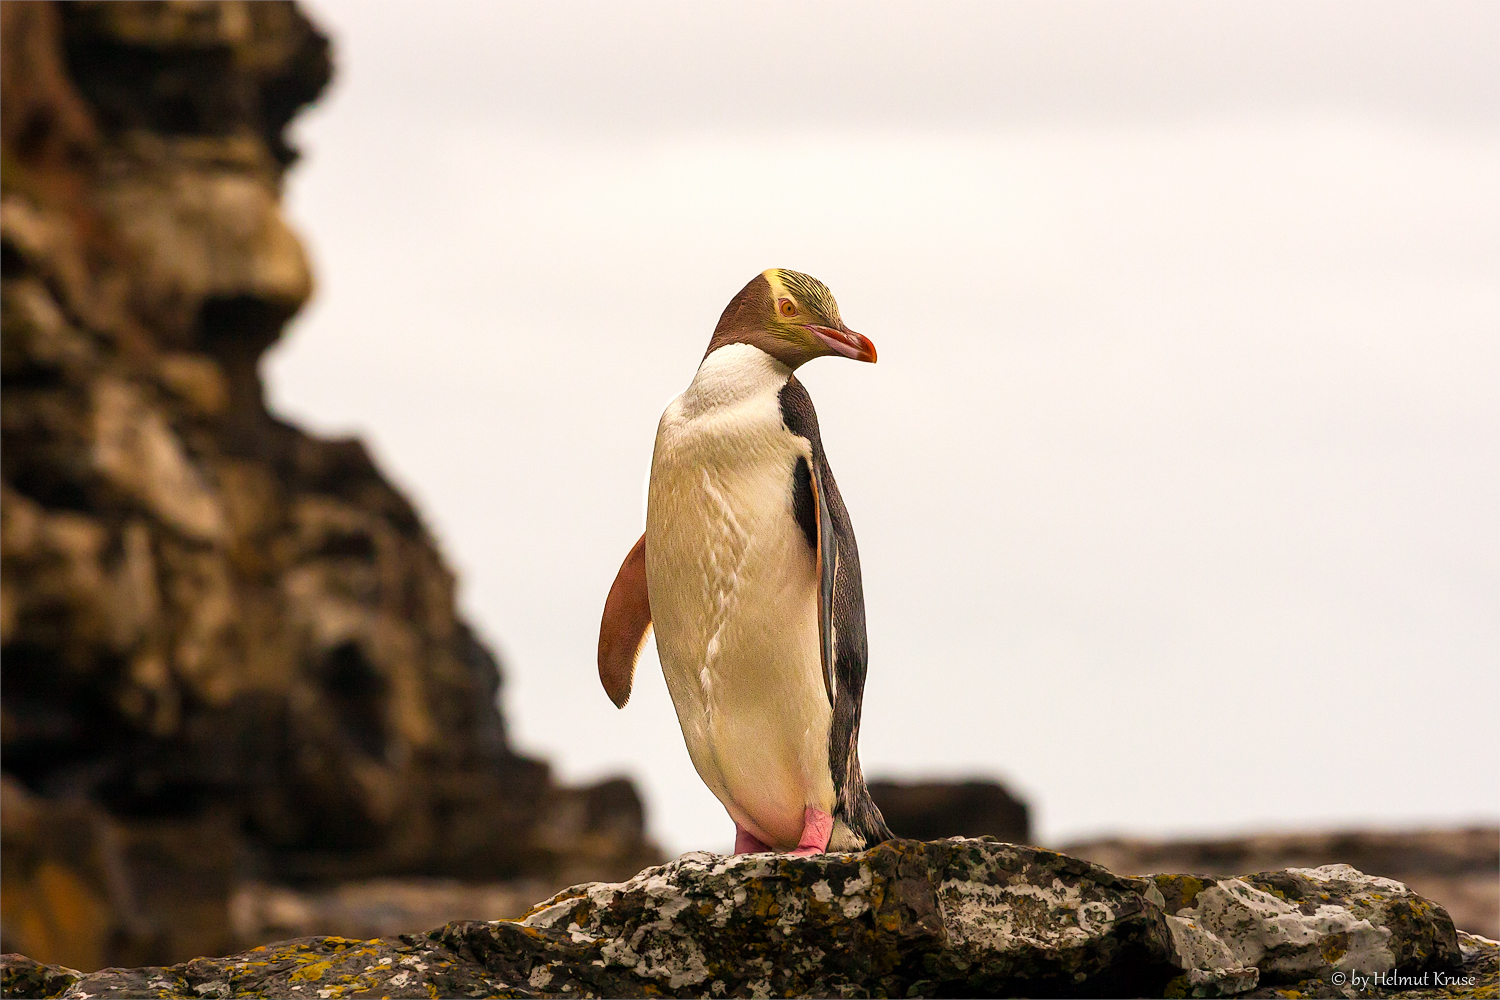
908 918
965 916
1476 978
1456 867
23 977
1306 923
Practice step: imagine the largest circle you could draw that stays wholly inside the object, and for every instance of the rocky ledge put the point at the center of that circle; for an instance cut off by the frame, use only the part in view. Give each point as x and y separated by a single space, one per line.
960 917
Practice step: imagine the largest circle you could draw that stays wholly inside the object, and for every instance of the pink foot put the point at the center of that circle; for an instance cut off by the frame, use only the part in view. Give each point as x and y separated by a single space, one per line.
817 827
746 842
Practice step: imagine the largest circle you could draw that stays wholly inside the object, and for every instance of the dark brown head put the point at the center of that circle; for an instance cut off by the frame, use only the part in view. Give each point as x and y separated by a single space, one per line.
792 317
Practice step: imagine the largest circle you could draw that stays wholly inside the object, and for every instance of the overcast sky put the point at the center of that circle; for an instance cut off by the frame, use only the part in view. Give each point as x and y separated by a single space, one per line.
1176 485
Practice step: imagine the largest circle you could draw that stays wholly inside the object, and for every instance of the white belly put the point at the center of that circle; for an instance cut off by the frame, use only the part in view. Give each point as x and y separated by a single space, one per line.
733 593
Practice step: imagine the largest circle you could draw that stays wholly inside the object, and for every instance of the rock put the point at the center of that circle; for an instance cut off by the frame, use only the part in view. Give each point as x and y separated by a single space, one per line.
930 810
231 649
261 912
908 918
1457 868
1477 977
23 977
1303 924
967 916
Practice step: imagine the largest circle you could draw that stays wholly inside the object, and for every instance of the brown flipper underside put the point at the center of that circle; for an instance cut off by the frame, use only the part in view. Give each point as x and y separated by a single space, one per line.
627 622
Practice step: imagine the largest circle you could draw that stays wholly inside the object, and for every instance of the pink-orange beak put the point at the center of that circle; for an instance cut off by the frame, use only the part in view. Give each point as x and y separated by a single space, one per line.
845 341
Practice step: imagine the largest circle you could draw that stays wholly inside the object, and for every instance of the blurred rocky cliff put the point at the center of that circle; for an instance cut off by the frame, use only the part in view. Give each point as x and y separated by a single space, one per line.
230 649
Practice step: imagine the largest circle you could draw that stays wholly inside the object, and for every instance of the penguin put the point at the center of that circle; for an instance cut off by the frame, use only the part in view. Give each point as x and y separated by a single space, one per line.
749 573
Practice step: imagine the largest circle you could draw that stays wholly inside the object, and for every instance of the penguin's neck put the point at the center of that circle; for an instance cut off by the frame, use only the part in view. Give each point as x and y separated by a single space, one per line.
733 374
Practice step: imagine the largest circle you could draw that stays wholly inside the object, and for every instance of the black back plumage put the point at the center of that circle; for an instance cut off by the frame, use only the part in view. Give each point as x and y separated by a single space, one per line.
846 624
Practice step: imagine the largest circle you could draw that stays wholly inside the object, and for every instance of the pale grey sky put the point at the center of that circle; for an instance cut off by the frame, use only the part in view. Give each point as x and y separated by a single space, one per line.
1176 483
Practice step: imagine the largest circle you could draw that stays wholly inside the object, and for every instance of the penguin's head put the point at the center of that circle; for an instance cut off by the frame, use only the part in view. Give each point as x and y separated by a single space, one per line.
792 317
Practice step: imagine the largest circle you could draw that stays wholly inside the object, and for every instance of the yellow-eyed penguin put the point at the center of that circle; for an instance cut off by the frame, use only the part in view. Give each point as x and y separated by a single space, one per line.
749 572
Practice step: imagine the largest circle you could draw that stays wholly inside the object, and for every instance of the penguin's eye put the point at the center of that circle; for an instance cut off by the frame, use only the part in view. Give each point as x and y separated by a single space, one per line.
786 307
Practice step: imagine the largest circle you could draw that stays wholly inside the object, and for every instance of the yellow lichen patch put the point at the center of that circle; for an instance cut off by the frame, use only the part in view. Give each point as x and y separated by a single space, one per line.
760 900
535 933
888 919
561 897
1177 988
312 971
354 984
1180 890
1334 947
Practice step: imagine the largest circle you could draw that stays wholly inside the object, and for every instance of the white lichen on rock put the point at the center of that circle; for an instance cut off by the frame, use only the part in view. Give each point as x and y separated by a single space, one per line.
1302 924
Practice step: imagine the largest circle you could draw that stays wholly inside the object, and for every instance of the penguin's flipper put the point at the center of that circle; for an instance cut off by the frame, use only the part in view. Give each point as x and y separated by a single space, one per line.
816 506
828 562
627 622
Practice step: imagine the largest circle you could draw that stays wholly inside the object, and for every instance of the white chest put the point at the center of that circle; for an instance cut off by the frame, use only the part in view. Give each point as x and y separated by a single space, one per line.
733 592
